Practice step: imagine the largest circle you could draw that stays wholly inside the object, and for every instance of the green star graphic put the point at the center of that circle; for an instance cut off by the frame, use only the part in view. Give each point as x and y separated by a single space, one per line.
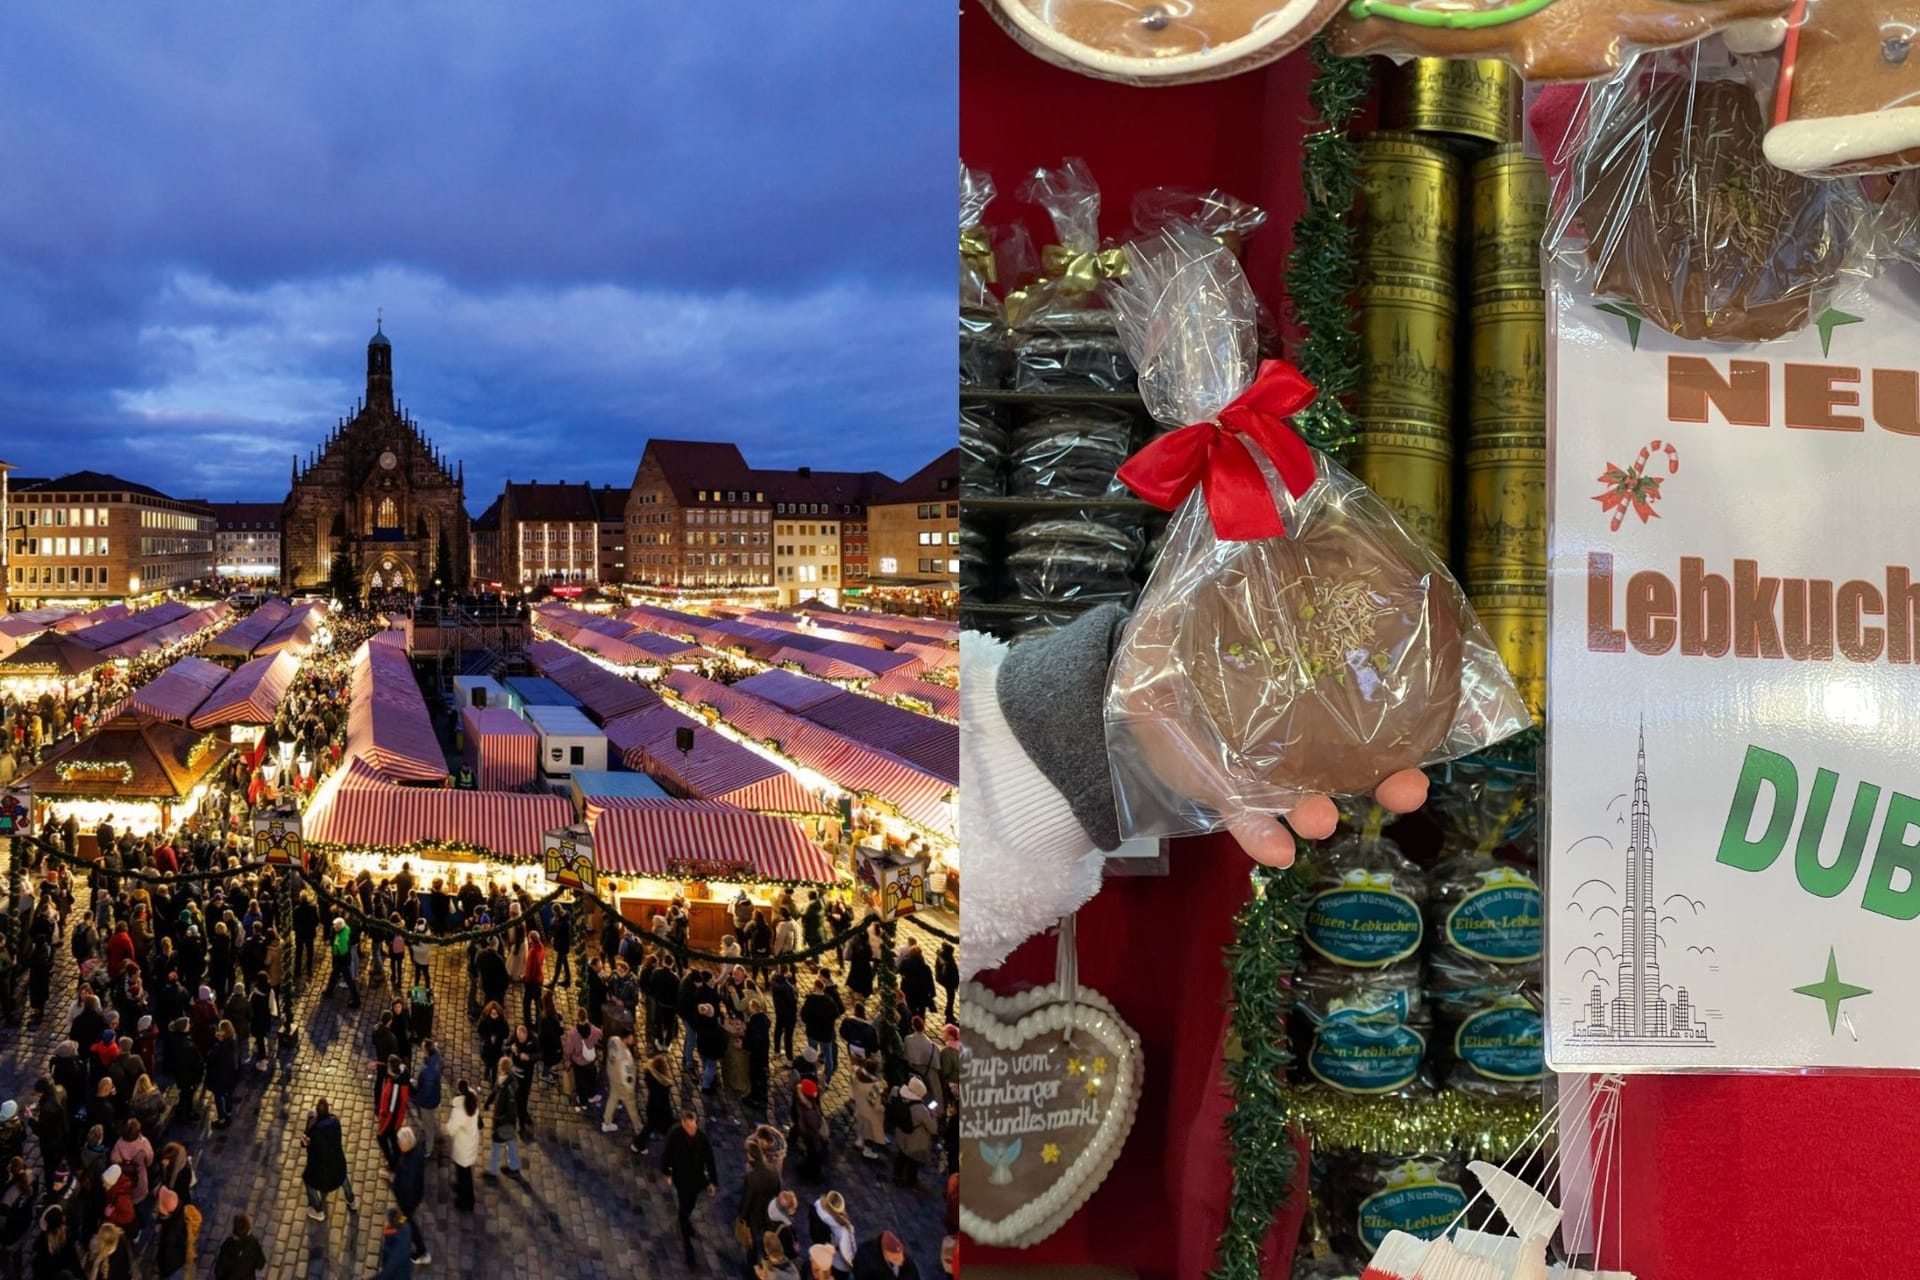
1831 991
1628 312
1829 320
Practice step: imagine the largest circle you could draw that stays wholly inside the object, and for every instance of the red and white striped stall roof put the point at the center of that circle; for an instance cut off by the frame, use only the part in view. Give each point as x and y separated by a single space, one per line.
176 693
918 794
296 630
933 745
502 749
604 694
358 807
943 699
101 635
388 725
642 837
77 621
238 640
252 694
789 690
612 648
168 632
33 621
714 768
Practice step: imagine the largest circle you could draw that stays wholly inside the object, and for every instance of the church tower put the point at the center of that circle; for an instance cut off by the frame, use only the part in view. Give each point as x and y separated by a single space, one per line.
379 370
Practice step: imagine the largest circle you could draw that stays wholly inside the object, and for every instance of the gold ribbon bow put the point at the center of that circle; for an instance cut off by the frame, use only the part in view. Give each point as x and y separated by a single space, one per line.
1081 271
976 251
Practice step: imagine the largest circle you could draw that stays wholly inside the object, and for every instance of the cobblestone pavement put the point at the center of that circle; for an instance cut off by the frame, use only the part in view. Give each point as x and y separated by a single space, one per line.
588 1210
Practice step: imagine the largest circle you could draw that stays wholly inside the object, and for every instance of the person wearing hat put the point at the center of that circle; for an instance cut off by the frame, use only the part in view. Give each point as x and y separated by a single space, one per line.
55 1251
774 1263
396 1249
809 1131
117 1194
820 1259
783 1215
762 1184
326 1164
829 1224
170 1250
911 1125
686 1164
884 1258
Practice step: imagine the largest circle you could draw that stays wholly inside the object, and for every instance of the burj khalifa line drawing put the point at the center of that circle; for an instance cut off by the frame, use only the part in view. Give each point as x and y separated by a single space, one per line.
1637 1013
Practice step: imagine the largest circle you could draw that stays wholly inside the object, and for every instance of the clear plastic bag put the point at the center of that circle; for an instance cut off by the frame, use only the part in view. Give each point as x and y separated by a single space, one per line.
1070 452
1228 219
1483 912
1074 556
1545 40
984 450
1064 338
1161 42
984 351
1255 673
1669 204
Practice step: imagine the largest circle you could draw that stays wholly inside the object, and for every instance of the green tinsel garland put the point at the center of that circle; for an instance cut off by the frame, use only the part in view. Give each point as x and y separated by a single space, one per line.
1266 947
1320 271
1260 965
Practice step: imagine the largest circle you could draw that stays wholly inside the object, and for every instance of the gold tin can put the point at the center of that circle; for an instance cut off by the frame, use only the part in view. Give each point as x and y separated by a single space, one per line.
1406 352
1409 464
1507 360
1508 221
1476 99
1515 616
1505 507
1410 211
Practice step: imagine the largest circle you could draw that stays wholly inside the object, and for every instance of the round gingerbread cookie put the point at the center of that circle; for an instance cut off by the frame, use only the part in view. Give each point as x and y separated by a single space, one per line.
1162 41
1324 661
1744 256
1544 40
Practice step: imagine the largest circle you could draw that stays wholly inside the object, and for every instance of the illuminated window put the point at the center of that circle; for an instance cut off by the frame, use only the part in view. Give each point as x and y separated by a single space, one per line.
389 516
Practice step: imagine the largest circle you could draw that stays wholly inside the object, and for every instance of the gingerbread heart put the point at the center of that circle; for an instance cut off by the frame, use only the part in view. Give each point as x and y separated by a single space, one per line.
1048 1092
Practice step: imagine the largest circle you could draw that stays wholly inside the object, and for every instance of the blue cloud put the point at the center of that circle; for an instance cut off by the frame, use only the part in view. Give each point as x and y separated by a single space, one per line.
587 224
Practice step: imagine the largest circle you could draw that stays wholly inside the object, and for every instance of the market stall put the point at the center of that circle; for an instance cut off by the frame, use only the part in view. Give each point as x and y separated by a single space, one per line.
296 631
77 621
17 629
176 693
709 766
388 724
171 632
597 690
932 744
240 639
142 774
919 692
501 750
651 851
106 633
49 663
376 822
251 694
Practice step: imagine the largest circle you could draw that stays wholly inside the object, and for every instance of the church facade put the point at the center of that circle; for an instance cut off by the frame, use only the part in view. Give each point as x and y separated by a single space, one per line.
378 492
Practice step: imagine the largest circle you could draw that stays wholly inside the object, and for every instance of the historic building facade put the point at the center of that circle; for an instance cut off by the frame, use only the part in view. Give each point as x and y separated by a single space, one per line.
95 537
378 492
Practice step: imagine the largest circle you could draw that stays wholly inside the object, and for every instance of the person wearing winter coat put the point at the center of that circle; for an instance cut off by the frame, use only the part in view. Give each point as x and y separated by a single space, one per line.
396 1249
463 1142
223 1073
761 1186
240 1256
757 1041
829 1224
916 981
581 1048
622 1077
503 1104
911 1125
868 1095
188 1066
410 1188
710 1038
170 1250
686 1164
392 1099
326 1164
809 1132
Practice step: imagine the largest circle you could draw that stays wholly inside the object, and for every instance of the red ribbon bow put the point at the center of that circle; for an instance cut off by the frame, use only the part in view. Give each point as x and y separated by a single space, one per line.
1208 454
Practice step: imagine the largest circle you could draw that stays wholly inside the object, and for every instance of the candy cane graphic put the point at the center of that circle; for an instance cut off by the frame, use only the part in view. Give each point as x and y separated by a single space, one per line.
1632 489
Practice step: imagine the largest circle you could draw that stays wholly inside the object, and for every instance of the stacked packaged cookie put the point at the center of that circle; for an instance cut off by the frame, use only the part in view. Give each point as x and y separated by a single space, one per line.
1415 1023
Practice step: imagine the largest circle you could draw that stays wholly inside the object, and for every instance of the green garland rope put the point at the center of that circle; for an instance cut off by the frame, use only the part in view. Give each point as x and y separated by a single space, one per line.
1266 948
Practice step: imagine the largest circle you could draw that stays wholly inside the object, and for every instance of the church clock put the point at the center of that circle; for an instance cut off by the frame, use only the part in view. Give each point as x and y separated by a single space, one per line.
387 461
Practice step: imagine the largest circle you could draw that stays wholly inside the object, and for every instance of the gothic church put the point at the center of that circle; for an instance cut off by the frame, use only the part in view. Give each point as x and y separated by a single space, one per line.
376 491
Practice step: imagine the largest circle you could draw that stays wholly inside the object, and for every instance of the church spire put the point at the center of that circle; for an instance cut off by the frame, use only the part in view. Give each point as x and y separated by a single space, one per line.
379 367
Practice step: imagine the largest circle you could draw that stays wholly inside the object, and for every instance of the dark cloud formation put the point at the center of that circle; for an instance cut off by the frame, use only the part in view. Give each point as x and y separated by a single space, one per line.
587 224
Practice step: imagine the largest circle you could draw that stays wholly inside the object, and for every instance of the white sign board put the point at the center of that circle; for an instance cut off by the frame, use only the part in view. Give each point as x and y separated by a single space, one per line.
1733 840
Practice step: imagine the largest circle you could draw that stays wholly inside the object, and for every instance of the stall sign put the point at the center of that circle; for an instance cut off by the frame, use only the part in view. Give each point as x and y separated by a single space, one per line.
16 811
896 882
709 868
1733 838
569 860
277 838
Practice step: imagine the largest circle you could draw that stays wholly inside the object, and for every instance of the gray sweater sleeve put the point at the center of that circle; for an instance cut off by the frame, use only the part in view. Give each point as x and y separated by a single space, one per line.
1052 690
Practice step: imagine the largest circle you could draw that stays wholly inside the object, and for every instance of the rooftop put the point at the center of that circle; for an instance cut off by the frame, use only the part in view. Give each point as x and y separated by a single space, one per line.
560 503
236 516
91 482
938 481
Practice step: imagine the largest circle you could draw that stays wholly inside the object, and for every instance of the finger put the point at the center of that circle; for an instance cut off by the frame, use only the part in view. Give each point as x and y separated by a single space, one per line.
1314 818
1267 842
1402 792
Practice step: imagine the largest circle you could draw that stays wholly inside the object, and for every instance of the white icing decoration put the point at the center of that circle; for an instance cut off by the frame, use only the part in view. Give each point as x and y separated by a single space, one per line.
1034 1013
1810 146
1754 35
1277 28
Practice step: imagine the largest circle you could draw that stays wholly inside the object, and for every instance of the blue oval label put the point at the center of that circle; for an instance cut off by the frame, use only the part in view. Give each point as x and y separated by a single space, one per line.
1423 1210
1365 928
1365 1057
1500 924
1503 1044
